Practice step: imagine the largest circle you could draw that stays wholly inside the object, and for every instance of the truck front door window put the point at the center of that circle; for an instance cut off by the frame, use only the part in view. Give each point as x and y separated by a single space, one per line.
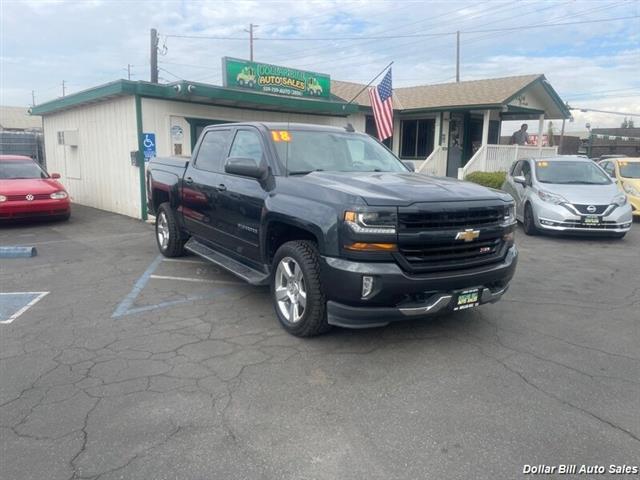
212 151
247 145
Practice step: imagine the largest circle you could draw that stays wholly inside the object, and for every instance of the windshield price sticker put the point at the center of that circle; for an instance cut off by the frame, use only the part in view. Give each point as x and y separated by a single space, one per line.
280 136
543 164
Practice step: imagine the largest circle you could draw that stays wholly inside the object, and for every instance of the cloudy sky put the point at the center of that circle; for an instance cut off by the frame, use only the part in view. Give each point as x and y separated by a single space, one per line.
592 64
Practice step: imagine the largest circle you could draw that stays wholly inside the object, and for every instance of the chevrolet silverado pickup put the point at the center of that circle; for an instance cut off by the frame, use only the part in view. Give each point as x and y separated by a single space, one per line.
343 231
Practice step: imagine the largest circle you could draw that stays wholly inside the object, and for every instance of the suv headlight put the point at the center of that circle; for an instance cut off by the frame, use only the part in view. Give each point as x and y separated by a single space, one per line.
620 199
383 222
551 197
630 189
58 195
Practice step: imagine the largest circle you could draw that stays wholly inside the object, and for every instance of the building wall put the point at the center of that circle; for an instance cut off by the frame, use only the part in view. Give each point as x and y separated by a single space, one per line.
98 171
159 116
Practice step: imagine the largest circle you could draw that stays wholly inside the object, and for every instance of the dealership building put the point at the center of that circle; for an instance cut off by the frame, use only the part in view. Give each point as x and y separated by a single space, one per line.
99 139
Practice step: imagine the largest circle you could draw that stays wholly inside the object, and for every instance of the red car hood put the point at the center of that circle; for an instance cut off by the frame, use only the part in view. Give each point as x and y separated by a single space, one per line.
25 186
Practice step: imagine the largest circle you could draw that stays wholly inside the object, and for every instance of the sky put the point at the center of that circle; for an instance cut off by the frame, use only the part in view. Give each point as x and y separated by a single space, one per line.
593 64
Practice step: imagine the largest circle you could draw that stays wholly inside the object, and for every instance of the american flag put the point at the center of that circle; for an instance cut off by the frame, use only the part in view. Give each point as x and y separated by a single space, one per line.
381 103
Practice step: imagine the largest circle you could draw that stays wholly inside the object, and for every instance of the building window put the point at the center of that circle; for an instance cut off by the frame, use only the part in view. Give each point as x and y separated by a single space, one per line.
371 129
417 138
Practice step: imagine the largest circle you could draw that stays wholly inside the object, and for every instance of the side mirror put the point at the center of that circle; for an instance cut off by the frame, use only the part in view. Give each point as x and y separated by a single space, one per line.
410 166
245 167
520 179
55 176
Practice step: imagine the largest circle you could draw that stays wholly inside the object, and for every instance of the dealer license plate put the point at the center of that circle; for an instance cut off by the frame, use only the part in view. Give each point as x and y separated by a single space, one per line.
467 299
591 220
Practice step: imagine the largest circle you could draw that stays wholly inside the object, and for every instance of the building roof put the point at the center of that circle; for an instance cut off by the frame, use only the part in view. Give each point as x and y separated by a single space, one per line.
18 118
489 92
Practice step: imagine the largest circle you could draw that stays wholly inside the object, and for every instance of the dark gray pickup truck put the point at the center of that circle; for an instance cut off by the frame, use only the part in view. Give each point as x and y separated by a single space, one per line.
343 232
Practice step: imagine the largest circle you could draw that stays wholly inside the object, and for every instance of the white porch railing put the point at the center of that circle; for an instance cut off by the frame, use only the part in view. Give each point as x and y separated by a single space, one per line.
435 164
496 158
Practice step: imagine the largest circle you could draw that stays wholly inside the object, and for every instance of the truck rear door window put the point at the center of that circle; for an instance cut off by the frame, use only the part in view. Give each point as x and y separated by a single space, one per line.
213 151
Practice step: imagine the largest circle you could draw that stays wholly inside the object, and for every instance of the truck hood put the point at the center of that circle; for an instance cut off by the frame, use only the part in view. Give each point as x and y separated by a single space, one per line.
401 189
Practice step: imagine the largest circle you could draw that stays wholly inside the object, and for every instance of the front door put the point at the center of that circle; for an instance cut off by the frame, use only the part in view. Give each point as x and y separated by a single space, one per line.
241 200
202 184
456 144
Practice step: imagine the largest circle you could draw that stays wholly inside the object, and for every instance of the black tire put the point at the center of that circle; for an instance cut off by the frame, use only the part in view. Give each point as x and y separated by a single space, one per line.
174 246
528 223
313 320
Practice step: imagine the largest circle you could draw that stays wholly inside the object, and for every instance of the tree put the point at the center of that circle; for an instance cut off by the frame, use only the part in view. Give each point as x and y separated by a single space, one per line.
630 123
625 123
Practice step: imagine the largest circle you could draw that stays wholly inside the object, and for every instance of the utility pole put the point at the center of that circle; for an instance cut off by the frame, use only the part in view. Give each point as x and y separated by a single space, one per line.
251 27
64 91
153 55
458 56
128 71
33 98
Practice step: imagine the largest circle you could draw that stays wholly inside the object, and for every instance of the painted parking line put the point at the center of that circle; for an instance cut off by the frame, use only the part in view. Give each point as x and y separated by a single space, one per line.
14 304
126 305
198 280
185 260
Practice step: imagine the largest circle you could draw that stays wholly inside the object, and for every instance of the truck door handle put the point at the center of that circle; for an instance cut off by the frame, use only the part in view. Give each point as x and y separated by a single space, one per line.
188 180
221 188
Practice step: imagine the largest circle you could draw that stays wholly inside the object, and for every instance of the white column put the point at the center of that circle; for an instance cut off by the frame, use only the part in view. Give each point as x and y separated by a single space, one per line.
485 127
540 129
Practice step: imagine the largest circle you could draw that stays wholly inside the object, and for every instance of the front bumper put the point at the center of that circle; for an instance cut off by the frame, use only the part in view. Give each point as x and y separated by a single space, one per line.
557 218
399 296
635 205
34 209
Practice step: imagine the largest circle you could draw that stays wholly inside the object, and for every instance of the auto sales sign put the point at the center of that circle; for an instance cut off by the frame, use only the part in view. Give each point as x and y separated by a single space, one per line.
266 78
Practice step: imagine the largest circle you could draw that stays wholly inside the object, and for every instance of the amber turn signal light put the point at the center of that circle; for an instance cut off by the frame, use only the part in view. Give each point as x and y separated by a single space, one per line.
371 247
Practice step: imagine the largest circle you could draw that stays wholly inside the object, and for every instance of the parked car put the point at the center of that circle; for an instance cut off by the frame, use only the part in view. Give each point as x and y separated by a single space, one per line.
626 173
567 194
27 191
338 226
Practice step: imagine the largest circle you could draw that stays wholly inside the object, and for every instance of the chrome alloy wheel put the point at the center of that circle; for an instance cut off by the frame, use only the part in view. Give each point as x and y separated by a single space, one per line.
290 290
162 230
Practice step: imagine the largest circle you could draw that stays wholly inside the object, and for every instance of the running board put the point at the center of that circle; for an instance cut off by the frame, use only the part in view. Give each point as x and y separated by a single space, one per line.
248 274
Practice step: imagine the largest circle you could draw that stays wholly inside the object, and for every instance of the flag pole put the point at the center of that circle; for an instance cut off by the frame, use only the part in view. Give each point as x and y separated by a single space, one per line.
369 84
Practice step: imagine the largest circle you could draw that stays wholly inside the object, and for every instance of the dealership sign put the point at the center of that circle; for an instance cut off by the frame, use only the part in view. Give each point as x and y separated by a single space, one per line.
266 78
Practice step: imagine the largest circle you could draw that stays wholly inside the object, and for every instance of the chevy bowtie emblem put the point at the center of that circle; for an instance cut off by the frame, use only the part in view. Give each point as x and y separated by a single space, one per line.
469 235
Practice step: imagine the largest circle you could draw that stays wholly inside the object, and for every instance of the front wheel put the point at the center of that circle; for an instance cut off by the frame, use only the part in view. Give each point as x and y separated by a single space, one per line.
168 235
529 223
297 291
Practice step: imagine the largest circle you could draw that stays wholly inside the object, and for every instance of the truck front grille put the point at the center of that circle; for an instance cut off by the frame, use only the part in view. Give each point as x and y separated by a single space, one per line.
427 237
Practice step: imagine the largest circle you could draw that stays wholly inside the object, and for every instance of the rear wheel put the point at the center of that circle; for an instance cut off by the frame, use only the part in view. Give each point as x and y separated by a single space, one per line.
297 291
168 235
529 223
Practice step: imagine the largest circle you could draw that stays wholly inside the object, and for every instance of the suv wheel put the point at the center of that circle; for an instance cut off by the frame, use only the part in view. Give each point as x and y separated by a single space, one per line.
529 223
168 235
297 291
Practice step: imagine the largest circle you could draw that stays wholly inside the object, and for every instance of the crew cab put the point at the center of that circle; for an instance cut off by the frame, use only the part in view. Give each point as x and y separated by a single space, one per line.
343 232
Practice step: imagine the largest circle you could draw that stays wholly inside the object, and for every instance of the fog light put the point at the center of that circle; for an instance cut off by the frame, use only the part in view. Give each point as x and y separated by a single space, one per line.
367 286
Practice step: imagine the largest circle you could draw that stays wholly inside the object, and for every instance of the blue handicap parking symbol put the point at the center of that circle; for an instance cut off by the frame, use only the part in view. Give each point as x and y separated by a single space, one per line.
149 146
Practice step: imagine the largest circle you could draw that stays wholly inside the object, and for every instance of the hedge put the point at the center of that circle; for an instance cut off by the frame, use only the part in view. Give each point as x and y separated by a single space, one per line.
488 179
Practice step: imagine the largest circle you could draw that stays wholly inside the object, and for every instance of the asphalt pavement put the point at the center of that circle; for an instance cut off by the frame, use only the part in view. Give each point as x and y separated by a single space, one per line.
129 366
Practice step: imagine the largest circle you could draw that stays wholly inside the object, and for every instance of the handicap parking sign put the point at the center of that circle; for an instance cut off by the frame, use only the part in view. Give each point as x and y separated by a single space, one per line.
149 146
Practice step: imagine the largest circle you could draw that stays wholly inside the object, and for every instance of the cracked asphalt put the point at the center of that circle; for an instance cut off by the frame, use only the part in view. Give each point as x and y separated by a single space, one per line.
213 388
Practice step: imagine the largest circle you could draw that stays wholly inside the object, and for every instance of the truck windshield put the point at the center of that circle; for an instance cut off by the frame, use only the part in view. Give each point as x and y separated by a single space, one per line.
629 169
304 151
567 172
17 170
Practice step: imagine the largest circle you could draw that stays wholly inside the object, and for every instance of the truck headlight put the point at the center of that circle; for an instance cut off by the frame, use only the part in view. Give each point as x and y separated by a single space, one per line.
620 200
61 195
551 197
383 222
631 190
510 215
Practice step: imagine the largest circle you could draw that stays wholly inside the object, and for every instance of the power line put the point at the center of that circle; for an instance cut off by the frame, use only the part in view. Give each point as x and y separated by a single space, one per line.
605 111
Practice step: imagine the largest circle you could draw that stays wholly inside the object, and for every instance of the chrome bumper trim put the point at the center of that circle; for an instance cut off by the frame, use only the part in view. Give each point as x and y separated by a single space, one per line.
438 304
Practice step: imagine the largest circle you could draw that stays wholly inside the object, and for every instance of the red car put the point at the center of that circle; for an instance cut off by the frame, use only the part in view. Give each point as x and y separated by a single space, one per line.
27 191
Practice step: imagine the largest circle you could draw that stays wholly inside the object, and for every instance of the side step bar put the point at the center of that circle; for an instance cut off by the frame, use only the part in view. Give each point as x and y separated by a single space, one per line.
248 274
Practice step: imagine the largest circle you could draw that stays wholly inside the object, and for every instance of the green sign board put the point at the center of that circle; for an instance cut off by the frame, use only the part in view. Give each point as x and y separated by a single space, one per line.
262 77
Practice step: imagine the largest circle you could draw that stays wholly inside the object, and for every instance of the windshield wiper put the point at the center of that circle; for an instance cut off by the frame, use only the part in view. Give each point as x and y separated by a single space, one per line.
305 172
